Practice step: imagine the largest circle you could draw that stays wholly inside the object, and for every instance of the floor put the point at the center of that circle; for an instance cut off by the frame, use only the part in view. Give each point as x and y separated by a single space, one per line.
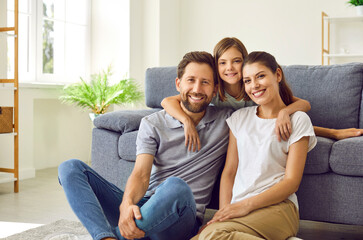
41 200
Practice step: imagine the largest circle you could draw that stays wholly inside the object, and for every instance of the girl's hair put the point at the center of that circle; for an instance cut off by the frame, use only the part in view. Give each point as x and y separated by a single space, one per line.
269 61
221 47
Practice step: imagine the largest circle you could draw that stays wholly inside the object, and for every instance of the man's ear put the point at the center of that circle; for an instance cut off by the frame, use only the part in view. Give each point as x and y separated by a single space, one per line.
177 84
215 90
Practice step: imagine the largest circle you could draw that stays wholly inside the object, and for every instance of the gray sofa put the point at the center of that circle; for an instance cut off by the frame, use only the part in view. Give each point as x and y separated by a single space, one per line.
332 185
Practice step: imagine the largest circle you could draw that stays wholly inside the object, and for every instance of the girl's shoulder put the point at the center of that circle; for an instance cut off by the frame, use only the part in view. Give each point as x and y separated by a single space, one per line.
231 102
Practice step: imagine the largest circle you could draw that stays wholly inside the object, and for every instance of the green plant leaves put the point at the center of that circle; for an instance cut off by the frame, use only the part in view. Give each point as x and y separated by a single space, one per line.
355 2
98 94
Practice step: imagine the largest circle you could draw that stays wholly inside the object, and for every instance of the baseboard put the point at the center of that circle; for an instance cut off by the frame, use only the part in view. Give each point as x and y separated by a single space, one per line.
26 173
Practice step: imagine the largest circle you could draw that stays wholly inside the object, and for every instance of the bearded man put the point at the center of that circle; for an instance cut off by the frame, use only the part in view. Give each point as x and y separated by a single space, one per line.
167 192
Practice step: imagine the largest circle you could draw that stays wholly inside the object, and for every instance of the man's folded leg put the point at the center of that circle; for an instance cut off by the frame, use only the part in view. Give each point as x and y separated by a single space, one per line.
170 213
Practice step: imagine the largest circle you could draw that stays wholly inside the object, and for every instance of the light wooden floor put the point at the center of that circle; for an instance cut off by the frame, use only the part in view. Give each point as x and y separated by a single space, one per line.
41 200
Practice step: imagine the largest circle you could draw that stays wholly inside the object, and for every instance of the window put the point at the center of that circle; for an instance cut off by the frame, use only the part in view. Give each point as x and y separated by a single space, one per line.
63 48
54 40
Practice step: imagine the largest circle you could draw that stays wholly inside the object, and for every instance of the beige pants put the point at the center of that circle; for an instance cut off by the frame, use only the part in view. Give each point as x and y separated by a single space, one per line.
276 222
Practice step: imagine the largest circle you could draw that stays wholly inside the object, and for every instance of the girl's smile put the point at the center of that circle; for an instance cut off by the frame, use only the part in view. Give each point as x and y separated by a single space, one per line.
230 66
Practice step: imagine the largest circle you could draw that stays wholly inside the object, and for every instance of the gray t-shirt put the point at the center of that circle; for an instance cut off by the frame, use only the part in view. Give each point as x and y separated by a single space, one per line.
163 136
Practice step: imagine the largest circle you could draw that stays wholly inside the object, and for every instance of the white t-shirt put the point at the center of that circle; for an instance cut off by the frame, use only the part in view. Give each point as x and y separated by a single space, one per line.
262 158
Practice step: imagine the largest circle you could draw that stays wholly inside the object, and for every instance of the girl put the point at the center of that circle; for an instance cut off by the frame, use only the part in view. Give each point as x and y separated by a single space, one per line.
229 54
261 174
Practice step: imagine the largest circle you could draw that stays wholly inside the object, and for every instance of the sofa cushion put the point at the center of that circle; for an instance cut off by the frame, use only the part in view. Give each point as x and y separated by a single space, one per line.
127 146
330 90
347 157
317 161
159 83
122 121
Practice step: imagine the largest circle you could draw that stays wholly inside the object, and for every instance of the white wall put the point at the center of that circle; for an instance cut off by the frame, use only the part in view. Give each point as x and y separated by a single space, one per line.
110 39
291 30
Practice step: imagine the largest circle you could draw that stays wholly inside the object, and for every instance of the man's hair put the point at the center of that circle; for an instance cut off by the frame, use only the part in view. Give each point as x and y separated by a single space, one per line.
270 62
196 57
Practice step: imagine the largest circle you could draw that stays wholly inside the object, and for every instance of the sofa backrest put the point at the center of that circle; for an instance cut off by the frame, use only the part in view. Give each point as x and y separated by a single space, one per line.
334 92
159 83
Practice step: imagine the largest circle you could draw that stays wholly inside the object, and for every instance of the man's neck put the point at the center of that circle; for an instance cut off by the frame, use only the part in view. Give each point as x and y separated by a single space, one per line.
195 117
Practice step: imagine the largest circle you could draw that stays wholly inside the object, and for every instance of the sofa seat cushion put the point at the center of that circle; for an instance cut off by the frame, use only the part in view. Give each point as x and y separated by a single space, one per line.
333 91
347 157
317 161
127 146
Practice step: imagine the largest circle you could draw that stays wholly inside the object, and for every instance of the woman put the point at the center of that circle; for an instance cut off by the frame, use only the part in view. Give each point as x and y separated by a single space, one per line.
261 174
229 54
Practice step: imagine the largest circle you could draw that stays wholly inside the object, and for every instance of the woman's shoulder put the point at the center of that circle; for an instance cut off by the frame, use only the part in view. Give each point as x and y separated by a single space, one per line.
300 121
300 116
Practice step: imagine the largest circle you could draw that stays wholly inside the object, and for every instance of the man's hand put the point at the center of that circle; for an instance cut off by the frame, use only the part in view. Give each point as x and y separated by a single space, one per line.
126 223
340 134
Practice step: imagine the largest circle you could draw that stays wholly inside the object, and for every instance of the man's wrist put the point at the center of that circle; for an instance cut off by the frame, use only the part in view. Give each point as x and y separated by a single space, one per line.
126 202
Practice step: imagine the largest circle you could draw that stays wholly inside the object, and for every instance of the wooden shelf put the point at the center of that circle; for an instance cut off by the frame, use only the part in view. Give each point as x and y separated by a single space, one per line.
9 134
7 177
344 19
6 174
326 21
340 55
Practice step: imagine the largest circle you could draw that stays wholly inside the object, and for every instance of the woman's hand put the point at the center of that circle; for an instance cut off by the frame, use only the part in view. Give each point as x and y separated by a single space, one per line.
283 126
191 136
230 211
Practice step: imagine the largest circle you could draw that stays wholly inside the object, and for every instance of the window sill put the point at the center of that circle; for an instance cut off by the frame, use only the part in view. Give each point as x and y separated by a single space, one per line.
41 85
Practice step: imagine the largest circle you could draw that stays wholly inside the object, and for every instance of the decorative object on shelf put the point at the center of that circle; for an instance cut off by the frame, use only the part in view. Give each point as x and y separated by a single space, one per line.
358 6
97 95
6 119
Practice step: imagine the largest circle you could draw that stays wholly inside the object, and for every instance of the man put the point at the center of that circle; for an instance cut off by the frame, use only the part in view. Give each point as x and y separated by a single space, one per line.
169 187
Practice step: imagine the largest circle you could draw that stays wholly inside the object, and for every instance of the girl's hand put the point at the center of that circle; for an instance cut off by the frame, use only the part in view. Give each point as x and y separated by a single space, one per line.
230 211
283 126
191 136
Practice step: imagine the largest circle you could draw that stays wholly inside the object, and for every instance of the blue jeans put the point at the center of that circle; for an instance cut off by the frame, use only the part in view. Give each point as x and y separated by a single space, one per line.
168 214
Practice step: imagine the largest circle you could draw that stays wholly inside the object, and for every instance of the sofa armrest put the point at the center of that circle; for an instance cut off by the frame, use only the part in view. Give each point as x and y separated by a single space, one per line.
122 121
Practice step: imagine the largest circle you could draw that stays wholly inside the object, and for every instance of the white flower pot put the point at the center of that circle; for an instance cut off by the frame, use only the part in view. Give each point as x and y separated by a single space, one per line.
359 10
92 116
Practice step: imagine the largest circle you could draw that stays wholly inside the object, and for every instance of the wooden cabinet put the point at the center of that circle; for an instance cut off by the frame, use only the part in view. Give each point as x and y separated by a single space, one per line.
351 50
11 174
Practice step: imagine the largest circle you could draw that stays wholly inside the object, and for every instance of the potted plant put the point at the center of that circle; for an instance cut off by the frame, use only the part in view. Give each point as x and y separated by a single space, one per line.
97 95
358 5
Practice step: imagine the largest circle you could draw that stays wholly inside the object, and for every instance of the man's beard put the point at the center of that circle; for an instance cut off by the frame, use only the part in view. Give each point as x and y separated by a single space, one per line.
195 108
